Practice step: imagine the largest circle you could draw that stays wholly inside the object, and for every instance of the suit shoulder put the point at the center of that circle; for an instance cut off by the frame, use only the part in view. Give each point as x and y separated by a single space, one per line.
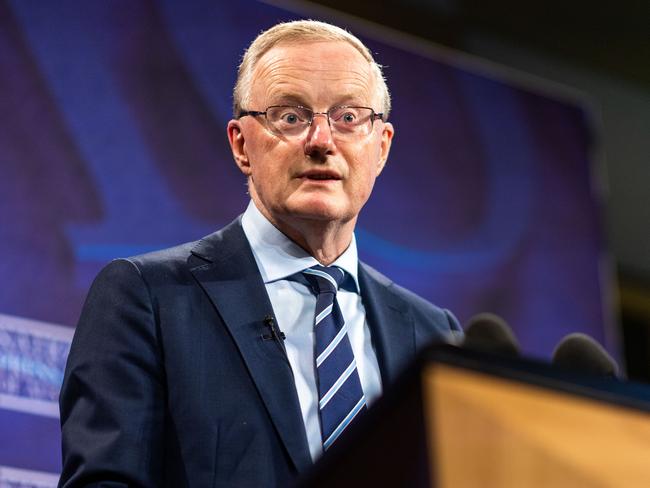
403 293
422 307
169 257
425 308
152 267
185 256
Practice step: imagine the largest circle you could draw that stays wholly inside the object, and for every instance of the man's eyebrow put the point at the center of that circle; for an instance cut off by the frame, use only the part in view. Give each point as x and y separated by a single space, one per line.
288 99
354 99
357 100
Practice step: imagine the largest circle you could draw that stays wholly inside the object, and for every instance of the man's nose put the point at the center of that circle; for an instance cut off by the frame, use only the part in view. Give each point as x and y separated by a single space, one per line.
319 138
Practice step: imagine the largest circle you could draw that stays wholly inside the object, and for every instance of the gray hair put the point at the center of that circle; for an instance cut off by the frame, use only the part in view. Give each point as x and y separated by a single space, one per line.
293 33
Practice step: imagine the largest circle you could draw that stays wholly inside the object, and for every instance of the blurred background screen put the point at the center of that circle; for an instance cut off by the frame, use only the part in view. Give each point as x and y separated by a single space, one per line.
113 143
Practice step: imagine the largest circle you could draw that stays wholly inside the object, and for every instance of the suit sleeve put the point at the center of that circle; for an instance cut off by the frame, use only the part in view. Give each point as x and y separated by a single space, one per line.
112 398
454 325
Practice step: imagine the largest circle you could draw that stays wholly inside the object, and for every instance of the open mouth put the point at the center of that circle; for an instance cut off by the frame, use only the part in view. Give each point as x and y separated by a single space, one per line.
321 176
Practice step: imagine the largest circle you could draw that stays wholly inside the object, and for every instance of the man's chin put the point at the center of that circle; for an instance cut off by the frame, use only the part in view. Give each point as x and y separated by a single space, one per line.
319 210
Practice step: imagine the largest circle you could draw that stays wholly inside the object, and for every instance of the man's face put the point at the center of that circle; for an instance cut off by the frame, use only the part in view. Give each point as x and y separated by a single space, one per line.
316 176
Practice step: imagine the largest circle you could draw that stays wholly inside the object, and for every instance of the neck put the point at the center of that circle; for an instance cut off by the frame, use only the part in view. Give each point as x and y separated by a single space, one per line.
325 241
322 239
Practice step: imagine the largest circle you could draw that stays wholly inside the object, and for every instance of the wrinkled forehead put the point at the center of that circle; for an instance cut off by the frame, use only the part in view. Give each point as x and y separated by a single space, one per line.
315 72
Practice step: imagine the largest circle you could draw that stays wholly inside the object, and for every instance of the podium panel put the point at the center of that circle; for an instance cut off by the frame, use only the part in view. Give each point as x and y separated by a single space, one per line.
492 432
460 419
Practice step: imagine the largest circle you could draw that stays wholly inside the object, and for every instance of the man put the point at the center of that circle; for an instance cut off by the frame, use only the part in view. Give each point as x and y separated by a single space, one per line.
200 365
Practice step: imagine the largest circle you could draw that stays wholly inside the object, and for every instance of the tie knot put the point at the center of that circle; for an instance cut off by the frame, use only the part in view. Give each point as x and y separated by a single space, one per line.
324 279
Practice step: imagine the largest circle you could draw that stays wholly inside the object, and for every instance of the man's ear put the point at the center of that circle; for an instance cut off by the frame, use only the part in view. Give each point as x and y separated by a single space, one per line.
386 140
238 146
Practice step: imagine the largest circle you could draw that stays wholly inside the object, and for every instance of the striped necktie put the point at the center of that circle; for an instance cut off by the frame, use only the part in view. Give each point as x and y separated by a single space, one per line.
339 388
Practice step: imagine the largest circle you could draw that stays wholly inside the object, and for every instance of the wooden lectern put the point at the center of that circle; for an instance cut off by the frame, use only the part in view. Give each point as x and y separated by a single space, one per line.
460 419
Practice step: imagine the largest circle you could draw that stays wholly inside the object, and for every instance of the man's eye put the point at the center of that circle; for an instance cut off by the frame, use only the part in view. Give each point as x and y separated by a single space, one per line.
290 118
348 118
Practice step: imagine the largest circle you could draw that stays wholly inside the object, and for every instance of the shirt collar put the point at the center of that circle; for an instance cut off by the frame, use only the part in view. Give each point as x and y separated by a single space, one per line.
278 257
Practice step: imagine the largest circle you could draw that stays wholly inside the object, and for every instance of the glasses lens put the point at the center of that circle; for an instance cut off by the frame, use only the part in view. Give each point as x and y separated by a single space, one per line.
354 121
288 121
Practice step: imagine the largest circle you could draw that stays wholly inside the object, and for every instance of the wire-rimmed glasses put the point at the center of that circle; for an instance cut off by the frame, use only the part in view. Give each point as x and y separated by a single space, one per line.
293 120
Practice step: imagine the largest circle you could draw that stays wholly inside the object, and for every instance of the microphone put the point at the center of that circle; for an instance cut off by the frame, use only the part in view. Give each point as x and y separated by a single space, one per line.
274 333
579 352
489 333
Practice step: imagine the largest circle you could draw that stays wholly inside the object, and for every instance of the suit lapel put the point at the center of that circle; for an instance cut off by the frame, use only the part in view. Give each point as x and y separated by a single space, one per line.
390 322
232 281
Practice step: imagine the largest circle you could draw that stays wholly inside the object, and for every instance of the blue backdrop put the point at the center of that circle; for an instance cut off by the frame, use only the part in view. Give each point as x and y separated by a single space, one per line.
112 142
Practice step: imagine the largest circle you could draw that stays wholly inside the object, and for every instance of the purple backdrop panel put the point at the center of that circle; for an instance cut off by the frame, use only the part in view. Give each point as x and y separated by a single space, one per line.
112 143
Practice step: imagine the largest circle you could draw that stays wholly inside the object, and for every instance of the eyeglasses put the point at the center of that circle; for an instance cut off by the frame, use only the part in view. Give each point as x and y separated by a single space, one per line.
292 120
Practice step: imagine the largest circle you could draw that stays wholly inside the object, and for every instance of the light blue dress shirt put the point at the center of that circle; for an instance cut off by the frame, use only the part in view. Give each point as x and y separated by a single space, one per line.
278 257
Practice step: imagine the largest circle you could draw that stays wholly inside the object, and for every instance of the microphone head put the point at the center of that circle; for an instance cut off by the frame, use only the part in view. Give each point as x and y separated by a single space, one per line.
489 333
579 352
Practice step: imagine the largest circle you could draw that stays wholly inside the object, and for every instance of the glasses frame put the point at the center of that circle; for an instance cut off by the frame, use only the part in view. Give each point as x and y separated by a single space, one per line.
255 113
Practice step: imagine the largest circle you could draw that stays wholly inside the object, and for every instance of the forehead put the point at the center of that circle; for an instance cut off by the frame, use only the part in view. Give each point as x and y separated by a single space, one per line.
315 73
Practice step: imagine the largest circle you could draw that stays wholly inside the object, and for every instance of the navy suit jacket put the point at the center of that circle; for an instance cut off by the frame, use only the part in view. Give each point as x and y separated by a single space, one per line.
170 381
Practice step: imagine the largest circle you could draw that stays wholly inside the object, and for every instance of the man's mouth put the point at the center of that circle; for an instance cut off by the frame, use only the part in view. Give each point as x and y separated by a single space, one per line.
320 175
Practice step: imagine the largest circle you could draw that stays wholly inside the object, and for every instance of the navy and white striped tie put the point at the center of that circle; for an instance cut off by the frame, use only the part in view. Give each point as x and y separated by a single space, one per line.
340 394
